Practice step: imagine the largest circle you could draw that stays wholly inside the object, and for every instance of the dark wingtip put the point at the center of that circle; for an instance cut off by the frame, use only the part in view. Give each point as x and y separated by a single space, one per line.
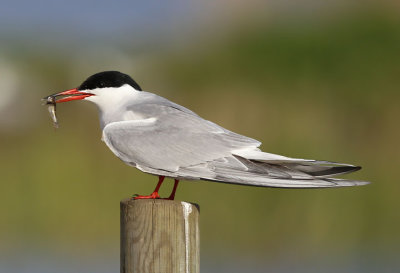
348 169
337 170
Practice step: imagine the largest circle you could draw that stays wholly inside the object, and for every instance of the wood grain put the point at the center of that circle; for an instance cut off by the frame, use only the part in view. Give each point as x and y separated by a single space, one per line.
159 236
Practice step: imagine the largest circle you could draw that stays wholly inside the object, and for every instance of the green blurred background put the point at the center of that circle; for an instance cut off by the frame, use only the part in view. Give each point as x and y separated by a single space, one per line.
308 79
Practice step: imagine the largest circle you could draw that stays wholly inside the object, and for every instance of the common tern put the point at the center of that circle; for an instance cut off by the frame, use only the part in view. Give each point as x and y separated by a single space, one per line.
165 139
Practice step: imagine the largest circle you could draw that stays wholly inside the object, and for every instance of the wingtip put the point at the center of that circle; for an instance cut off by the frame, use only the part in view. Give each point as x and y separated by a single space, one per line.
353 169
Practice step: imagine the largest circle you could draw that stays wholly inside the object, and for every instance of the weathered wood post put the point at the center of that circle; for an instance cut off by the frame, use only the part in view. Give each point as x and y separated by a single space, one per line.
159 236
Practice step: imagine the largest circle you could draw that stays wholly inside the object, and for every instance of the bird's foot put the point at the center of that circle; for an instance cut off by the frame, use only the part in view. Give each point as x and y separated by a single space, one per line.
154 195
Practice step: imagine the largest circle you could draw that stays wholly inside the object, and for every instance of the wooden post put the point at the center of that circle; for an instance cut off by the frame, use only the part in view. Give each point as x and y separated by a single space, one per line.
159 236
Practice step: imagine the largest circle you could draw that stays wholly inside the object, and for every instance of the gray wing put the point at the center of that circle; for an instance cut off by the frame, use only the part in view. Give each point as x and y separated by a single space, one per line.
171 140
175 142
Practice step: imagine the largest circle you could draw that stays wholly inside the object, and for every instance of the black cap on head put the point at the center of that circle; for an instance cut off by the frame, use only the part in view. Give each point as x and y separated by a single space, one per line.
108 79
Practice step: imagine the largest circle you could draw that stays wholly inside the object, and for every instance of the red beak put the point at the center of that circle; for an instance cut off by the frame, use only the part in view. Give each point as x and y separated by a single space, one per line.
72 94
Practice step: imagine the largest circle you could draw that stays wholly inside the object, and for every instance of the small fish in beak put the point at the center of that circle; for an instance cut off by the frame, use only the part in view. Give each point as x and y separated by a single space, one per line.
68 95
51 102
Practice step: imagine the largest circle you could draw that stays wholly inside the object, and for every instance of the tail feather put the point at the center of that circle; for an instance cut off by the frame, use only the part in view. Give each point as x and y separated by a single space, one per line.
288 183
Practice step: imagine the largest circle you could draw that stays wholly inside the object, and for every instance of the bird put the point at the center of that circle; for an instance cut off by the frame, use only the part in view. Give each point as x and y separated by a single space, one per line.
165 139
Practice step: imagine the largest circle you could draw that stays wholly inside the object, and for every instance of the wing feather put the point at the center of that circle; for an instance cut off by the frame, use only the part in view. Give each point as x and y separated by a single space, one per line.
174 139
171 140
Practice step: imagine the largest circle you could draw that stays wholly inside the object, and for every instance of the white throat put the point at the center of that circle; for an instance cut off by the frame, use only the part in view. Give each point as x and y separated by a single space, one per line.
112 102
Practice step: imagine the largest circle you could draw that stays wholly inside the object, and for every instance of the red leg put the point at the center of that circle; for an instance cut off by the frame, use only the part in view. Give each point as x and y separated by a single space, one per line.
172 196
155 194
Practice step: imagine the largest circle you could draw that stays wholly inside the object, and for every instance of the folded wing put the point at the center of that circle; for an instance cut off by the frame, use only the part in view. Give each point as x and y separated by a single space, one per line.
180 144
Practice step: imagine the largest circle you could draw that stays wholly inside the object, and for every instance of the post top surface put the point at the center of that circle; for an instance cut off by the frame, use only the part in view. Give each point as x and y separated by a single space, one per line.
132 202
